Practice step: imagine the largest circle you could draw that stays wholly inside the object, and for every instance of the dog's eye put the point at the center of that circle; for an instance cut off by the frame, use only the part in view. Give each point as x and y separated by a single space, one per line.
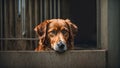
53 32
64 31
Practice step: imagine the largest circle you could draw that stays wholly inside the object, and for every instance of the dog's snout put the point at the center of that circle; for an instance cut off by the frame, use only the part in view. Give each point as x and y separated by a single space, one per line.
61 45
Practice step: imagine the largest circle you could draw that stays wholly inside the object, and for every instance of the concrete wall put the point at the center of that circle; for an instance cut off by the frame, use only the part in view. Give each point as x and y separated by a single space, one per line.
51 59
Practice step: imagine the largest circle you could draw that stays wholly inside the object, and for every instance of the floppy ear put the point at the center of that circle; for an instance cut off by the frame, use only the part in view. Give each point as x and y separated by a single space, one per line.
41 28
41 31
73 30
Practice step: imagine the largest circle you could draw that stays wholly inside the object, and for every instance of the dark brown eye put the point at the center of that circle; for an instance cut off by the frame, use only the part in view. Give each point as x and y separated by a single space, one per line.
54 32
64 31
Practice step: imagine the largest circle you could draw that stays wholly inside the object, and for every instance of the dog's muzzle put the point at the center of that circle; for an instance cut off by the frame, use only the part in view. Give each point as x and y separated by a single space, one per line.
60 47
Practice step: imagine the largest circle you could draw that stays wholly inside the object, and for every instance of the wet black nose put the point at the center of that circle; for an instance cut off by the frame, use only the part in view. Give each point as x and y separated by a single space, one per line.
61 45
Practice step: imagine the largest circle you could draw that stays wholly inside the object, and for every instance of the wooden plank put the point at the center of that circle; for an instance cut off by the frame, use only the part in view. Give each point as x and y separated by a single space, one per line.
51 59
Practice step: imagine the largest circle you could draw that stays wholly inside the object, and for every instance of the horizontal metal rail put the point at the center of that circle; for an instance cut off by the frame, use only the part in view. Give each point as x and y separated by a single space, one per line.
19 39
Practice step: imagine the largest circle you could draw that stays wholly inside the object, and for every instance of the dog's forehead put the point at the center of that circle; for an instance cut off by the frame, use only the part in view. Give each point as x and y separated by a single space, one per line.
57 23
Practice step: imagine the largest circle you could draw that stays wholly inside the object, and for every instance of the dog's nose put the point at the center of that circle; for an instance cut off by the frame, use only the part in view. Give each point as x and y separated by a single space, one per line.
61 45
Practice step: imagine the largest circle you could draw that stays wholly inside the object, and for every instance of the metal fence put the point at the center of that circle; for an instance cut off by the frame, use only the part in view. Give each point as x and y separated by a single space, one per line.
18 19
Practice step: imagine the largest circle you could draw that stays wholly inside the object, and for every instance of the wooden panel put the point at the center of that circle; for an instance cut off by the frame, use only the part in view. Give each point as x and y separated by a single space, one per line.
51 59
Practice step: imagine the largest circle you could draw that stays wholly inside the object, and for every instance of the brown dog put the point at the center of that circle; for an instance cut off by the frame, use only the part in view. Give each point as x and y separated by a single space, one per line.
56 34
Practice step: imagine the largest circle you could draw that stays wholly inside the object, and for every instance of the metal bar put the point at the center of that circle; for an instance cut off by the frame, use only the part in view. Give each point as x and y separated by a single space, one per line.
23 18
59 8
19 39
51 9
41 13
1 31
36 21
19 7
11 18
14 18
1 20
45 9
16 14
36 12
30 21
5 21
54 8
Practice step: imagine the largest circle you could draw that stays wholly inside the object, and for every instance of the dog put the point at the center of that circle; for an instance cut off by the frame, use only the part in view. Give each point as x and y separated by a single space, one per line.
56 34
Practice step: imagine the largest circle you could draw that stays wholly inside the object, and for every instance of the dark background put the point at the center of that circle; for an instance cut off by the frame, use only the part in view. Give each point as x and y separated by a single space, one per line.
83 14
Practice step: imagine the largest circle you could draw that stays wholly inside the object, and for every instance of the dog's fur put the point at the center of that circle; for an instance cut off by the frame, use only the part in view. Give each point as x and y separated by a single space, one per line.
56 34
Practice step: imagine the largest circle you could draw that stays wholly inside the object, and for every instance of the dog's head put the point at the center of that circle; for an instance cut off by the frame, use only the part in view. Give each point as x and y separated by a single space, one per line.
56 34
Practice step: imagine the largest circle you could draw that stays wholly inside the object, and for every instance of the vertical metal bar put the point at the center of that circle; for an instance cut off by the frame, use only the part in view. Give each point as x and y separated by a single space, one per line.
23 18
36 17
14 18
51 9
30 16
56 5
36 12
19 7
1 14
5 21
54 8
41 13
59 8
11 23
45 7
0 24
16 7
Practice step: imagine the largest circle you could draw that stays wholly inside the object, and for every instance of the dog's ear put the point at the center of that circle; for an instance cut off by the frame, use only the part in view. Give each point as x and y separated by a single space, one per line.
41 31
41 28
73 27
73 30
